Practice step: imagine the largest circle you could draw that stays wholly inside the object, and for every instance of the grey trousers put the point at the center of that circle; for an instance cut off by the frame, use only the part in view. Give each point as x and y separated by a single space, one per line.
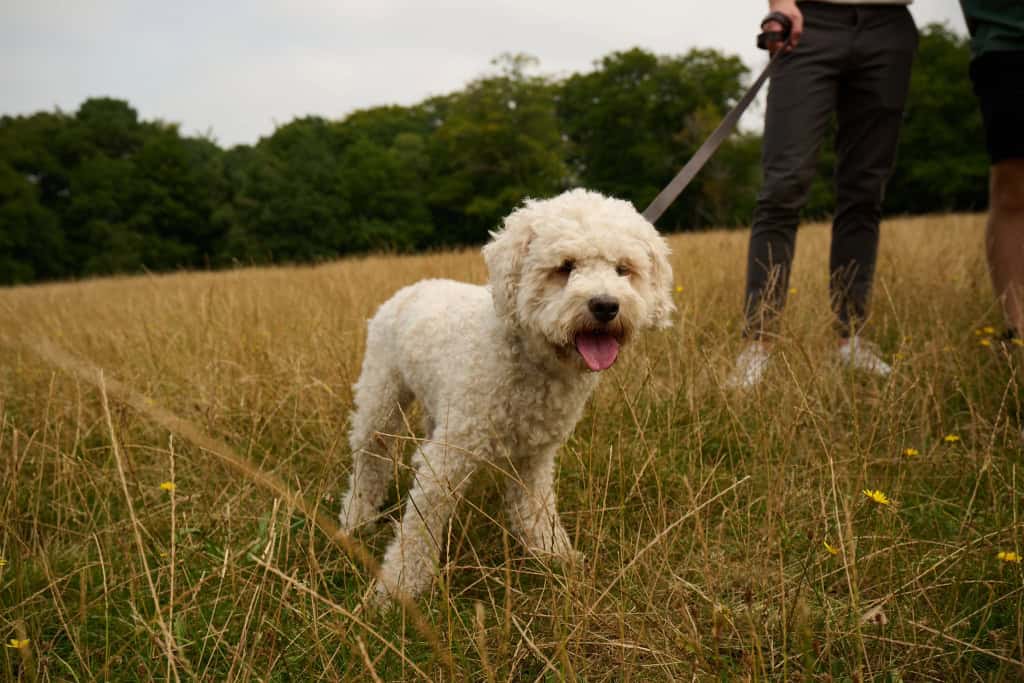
853 61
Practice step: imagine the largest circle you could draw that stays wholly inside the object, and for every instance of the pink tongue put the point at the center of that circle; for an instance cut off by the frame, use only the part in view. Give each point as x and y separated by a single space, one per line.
598 350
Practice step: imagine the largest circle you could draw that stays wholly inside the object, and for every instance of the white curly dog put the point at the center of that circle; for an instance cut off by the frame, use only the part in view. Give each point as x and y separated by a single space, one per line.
501 372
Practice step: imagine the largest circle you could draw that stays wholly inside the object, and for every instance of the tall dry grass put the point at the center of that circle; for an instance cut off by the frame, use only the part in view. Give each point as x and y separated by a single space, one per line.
704 514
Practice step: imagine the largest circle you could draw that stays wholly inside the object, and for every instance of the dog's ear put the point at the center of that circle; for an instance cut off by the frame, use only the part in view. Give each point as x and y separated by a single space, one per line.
661 282
504 256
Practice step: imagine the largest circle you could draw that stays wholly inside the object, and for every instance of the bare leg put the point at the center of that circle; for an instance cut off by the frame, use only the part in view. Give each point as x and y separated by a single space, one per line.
1005 239
532 509
410 562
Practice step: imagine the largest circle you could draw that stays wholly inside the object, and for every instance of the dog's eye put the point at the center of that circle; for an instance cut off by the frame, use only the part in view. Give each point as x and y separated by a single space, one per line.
623 270
567 266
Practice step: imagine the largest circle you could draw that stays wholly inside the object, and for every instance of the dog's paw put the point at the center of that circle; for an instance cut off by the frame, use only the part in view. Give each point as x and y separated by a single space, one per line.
574 558
565 556
376 599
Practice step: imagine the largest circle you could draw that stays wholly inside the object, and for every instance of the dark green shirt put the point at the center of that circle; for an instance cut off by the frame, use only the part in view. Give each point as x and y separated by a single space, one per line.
995 25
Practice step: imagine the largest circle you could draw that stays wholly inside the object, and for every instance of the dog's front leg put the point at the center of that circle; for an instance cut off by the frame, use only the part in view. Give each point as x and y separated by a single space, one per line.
530 497
411 560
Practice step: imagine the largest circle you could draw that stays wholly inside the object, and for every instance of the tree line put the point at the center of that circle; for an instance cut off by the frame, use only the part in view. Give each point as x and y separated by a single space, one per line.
100 191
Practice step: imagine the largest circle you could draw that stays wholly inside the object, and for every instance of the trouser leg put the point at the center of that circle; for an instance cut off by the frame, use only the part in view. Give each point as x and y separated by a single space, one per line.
872 95
801 99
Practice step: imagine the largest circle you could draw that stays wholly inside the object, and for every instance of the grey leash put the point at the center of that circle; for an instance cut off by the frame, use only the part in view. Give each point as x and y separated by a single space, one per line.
668 195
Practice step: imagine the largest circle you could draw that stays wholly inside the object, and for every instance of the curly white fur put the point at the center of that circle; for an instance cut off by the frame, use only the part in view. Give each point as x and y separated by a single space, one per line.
502 372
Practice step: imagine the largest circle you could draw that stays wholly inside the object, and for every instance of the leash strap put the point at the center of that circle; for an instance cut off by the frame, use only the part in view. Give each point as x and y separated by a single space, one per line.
668 195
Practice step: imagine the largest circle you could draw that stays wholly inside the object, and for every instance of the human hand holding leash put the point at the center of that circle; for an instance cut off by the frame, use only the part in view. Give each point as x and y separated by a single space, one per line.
775 32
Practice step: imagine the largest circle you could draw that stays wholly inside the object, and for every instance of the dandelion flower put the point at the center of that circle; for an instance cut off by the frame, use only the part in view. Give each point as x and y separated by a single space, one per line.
1008 556
3 562
876 496
167 486
951 438
911 451
792 290
988 329
679 288
17 643
831 550
985 342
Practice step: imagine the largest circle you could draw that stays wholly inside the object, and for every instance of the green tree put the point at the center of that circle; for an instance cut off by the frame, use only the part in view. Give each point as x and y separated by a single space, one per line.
291 205
140 195
942 164
31 242
386 172
636 118
497 142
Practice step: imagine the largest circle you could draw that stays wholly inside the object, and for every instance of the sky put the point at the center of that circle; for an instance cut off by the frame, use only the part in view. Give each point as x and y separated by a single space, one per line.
234 71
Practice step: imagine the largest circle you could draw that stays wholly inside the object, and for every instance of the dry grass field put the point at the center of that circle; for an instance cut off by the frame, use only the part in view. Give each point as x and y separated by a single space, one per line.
173 450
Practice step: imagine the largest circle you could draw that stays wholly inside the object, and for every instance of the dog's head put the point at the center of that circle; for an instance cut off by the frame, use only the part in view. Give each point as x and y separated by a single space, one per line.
582 272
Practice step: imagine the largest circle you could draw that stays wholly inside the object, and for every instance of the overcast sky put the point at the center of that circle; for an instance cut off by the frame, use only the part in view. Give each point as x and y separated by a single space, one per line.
236 70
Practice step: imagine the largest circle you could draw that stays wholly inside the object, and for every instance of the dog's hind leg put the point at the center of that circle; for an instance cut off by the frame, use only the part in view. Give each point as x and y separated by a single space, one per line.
381 399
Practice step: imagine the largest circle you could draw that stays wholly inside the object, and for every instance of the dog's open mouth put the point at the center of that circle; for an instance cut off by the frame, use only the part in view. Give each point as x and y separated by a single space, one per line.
599 349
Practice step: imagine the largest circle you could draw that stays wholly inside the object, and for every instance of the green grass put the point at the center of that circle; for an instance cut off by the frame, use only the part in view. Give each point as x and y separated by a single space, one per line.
703 513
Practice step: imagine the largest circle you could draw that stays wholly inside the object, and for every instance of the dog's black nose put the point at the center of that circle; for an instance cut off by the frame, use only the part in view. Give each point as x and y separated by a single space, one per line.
604 308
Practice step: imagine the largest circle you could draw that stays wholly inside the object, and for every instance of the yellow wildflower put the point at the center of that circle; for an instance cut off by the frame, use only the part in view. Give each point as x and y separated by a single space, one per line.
876 496
167 486
911 451
792 290
988 329
978 332
17 644
1017 341
829 548
985 342
1008 556
899 356
3 562
679 288
951 438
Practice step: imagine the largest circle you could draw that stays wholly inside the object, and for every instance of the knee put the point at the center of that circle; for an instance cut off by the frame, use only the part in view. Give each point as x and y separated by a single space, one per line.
783 196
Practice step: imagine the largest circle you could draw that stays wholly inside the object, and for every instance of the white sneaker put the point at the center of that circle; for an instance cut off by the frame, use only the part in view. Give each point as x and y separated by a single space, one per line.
860 355
750 367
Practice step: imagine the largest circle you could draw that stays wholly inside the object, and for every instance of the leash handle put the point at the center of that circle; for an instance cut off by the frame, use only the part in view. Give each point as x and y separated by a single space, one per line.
766 37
